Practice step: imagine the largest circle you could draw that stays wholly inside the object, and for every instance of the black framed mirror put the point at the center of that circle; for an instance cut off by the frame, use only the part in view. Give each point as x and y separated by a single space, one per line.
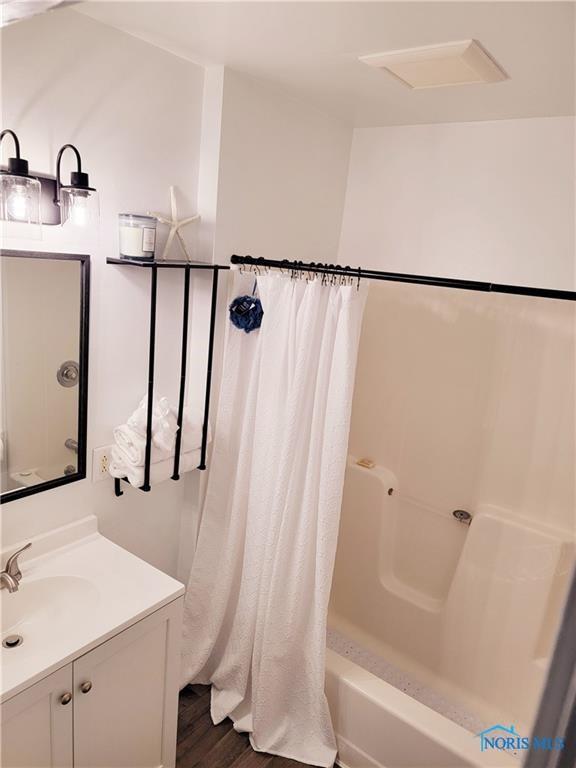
44 314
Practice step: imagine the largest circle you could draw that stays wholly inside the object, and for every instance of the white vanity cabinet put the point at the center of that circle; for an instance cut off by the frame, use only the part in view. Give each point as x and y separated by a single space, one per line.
115 705
36 727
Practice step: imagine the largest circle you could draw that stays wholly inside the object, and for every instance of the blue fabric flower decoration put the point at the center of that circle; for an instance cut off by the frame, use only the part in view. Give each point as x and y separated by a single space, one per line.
246 313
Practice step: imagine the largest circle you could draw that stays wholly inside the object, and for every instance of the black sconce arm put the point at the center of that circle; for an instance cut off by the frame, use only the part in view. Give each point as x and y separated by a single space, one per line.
8 132
16 165
78 179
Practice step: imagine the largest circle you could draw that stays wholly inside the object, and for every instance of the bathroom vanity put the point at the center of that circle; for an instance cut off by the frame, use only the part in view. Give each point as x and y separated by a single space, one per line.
94 681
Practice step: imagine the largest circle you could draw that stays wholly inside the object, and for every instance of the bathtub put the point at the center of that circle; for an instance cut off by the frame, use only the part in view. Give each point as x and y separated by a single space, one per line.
378 726
463 618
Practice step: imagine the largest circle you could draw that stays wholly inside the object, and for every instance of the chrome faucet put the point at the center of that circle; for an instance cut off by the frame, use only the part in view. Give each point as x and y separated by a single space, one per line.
11 576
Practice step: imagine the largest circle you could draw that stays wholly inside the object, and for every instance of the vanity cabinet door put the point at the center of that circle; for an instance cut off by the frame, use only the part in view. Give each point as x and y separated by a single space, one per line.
126 696
37 724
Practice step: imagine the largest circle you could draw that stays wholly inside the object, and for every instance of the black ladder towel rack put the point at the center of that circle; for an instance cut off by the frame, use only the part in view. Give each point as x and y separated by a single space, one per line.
187 267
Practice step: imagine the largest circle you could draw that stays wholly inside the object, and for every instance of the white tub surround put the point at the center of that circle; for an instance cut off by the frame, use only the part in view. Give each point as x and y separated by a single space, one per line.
466 611
80 591
378 726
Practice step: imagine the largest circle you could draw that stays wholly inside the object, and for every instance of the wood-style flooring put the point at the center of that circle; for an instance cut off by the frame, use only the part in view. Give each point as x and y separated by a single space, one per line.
201 744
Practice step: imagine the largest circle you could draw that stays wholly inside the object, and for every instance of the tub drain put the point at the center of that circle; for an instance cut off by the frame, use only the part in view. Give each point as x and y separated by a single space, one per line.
12 641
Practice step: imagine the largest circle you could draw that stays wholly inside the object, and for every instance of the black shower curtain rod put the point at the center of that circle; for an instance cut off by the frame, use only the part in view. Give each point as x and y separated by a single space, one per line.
399 277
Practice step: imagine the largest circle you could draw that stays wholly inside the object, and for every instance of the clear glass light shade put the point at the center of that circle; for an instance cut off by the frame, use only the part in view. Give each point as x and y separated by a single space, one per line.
79 206
19 199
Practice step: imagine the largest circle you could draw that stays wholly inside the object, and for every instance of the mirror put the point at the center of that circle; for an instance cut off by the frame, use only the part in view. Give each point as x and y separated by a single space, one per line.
44 299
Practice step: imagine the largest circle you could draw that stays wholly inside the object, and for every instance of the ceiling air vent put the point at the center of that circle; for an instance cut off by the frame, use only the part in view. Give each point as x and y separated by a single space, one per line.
434 66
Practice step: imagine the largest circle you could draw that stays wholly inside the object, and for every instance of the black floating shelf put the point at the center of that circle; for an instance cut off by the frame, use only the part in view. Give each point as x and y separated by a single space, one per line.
187 266
167 264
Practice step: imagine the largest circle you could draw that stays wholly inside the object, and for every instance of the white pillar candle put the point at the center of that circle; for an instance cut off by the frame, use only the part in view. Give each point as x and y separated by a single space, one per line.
137 236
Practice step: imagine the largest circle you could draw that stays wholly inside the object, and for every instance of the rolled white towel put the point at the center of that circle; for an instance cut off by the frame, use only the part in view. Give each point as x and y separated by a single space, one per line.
159 471
133 446
164 424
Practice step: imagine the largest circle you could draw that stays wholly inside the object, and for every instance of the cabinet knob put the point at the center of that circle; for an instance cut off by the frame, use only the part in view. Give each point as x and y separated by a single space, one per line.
66 698
86 686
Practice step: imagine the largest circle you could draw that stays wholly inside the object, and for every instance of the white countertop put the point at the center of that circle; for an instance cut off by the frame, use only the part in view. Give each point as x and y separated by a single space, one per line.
70 600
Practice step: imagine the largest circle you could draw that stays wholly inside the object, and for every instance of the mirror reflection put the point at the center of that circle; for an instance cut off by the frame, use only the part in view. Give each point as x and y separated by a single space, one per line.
40 377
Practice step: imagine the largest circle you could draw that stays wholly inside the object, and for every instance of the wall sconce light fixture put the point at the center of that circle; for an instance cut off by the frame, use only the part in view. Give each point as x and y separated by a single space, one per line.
19 192
78 201
41 199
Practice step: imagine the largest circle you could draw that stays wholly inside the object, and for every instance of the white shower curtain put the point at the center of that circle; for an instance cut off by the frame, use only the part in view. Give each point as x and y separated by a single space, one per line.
257 598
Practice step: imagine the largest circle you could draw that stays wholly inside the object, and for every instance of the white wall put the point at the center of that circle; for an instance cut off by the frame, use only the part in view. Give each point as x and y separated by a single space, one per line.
134 111
486 201
282 180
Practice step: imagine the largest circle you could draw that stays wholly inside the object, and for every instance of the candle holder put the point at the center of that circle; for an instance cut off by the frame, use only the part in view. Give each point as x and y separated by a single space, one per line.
137 236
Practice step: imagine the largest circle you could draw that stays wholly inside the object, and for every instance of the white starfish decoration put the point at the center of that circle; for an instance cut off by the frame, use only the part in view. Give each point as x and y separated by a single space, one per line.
175 225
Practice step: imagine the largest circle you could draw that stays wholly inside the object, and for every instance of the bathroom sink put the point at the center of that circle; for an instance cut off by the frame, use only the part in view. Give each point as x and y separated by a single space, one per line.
57 600
79 590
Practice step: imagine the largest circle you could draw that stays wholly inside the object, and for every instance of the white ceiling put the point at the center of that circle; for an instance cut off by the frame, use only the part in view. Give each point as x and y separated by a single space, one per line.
311 49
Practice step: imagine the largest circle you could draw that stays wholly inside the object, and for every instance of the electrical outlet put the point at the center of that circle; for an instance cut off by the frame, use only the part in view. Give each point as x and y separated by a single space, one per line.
100 463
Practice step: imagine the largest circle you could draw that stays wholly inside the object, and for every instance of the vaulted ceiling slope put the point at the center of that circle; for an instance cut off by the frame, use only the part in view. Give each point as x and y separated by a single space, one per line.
311 49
